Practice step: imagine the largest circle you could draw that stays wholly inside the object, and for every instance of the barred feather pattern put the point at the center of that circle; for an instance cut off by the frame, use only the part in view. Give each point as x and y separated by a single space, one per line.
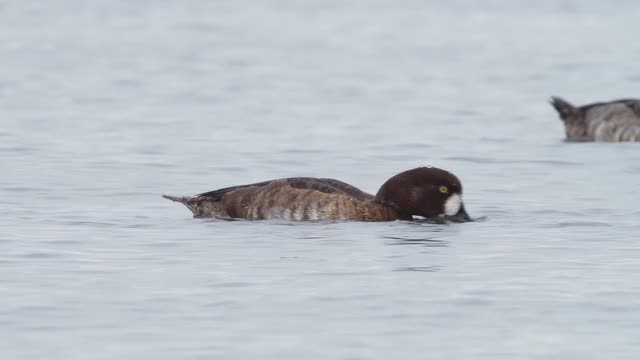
615 121
278 200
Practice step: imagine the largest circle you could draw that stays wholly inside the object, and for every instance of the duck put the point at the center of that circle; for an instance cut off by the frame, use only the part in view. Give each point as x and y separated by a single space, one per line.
613 121
426 192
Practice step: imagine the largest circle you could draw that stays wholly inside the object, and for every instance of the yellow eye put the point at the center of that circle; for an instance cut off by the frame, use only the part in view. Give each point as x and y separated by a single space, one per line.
444 189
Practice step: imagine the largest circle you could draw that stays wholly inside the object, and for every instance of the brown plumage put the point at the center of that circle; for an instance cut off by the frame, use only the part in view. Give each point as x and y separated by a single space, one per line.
617 120
425 191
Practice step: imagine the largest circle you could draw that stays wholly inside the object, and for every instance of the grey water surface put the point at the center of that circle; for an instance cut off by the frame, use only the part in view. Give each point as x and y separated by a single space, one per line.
106 105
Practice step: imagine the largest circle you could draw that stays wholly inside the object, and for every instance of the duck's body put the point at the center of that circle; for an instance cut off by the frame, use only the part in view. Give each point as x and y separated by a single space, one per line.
293 199
312 199
617 120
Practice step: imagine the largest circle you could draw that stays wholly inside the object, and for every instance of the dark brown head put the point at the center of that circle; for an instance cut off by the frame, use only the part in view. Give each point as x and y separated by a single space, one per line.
575 126
425 191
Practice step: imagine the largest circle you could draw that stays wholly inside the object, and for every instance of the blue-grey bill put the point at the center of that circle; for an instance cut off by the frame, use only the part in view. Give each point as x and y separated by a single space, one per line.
461 216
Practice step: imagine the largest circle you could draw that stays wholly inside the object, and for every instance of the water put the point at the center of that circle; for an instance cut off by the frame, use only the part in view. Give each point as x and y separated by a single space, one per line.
106 105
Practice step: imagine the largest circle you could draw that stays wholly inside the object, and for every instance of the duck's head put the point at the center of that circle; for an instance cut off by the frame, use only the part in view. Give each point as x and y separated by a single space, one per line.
425 191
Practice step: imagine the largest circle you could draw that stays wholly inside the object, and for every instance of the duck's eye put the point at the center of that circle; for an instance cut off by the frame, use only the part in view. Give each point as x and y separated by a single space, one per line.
444 189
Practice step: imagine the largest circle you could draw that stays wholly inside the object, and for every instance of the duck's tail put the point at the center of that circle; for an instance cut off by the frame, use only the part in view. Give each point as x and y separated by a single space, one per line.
180 199
563 107
186 200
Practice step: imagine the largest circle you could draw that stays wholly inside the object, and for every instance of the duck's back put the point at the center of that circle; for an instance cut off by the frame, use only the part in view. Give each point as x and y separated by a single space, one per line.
613 121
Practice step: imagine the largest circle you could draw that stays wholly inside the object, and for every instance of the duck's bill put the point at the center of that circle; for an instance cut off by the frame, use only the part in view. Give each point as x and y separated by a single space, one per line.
461 216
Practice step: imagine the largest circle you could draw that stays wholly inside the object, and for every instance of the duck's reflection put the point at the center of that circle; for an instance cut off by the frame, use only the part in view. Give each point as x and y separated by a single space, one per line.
419 268
418 241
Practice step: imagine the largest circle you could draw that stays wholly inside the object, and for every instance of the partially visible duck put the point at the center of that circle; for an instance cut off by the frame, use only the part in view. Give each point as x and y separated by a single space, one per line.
426 191
617 120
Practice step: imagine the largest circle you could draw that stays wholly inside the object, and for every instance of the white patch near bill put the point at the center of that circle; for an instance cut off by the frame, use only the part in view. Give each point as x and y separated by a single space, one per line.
453 204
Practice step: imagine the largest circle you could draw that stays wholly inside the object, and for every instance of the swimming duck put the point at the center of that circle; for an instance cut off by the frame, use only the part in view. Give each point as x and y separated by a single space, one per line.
617 120
425 191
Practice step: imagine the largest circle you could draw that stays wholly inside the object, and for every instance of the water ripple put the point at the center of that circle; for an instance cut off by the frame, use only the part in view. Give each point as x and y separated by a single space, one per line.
419 268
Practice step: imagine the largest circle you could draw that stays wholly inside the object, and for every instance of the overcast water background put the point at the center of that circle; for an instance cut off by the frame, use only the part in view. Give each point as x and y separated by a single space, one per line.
105 105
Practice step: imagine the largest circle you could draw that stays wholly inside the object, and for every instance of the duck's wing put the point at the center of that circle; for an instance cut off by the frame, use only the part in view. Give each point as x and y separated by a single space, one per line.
291 199
217 195
328 186
634 105
615 105
625 111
